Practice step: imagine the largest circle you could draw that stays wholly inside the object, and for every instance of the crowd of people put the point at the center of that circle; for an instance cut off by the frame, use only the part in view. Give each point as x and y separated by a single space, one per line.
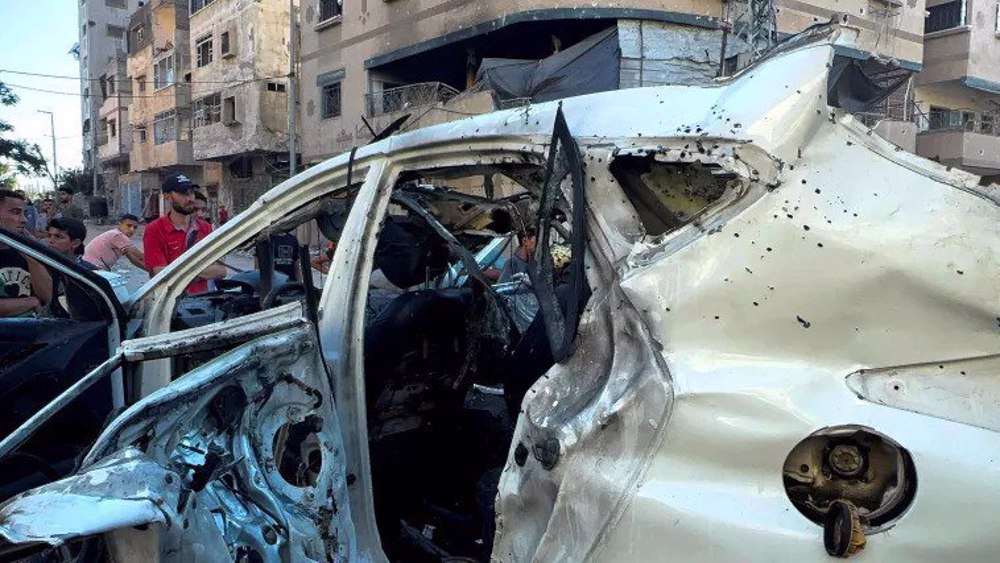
27 288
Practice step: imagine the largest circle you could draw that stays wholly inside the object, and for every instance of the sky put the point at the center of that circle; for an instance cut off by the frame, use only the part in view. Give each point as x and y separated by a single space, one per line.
37 36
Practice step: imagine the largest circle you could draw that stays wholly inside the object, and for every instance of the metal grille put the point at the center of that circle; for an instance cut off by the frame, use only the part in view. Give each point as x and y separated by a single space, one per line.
944 16
407 97
755 24
329 9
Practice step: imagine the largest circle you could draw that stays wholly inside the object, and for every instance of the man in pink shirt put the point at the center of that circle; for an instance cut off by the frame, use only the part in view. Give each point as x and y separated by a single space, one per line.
108 247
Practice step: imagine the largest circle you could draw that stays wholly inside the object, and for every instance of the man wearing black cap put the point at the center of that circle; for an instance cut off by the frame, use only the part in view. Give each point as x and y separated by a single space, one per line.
169 236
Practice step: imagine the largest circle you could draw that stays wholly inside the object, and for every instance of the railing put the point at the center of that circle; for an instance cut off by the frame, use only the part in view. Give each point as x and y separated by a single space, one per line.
407 97
945 16
895 110
968 120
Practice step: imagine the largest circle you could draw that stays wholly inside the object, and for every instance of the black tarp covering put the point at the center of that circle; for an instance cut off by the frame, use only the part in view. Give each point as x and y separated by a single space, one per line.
591 65
854 85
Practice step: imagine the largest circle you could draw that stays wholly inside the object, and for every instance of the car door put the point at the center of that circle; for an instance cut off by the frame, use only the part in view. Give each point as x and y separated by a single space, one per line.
238 457
43 355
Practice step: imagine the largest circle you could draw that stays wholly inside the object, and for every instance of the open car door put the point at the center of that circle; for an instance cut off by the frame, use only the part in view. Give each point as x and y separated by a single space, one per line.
46 352
239 459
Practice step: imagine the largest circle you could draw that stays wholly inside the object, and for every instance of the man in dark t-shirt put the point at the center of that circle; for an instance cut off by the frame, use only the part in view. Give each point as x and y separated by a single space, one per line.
25 285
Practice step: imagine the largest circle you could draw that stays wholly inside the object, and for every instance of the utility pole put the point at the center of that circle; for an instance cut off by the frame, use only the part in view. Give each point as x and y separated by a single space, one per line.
55 163
293 55
93 150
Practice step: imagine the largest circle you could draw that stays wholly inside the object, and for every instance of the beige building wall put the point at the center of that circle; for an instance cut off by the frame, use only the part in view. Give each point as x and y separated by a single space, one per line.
240 96
357 47
253 74
158 31
962 73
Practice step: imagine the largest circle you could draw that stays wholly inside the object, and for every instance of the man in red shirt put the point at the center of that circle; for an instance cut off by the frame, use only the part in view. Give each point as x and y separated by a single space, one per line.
169 236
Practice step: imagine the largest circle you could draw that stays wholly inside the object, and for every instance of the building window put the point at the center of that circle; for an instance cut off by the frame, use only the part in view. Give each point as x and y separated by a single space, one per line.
165 127
960 119
141 131
988 124
225 49
115 3
199 4
203 51
111 85
208 110
945 16
329 9
116 32
139 33
140 83
112 128
229 110
275 86
330 98
163 72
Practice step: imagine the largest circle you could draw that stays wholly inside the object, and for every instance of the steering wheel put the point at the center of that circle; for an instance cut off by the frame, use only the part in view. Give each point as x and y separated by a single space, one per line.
282 290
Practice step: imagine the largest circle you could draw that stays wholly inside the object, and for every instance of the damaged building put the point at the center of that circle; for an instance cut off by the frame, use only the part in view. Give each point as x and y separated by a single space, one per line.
114 135
103 53
366 65
159 66
239 95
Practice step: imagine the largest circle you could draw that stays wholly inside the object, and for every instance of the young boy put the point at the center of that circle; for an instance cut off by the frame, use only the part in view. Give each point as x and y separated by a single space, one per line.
106 248
66 237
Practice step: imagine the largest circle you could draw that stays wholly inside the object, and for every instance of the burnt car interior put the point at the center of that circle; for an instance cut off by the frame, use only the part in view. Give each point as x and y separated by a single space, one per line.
245 292
446 368
42 356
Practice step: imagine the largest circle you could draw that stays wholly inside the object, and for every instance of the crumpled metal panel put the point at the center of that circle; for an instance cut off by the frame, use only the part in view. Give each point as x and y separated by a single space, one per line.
206 459
124 490
860 257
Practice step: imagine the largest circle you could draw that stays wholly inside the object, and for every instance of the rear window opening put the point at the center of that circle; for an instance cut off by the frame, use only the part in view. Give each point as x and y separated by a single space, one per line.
668 195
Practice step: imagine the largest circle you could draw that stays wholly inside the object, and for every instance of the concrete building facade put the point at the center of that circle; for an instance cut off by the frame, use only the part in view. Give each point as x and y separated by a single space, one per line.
239 95
159 64
958 91
102 49
373 61
114 134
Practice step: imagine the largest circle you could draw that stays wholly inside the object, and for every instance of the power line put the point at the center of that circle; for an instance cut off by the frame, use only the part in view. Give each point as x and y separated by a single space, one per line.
79 95
137 96
127 81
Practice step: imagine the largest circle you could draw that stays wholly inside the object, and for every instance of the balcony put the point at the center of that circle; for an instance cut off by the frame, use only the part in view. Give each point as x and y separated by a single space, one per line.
960 45
896 120
407 98
968 139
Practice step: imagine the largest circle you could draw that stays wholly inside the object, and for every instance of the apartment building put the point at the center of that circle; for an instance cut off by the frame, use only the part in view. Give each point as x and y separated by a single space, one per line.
239 94
958 90
114 134
159 67
102 52
365 63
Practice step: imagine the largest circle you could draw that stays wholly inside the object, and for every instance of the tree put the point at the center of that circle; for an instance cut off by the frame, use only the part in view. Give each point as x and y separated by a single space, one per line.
17 156
80 180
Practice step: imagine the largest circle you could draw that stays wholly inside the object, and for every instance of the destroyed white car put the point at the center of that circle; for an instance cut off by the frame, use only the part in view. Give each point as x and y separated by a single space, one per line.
776 338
